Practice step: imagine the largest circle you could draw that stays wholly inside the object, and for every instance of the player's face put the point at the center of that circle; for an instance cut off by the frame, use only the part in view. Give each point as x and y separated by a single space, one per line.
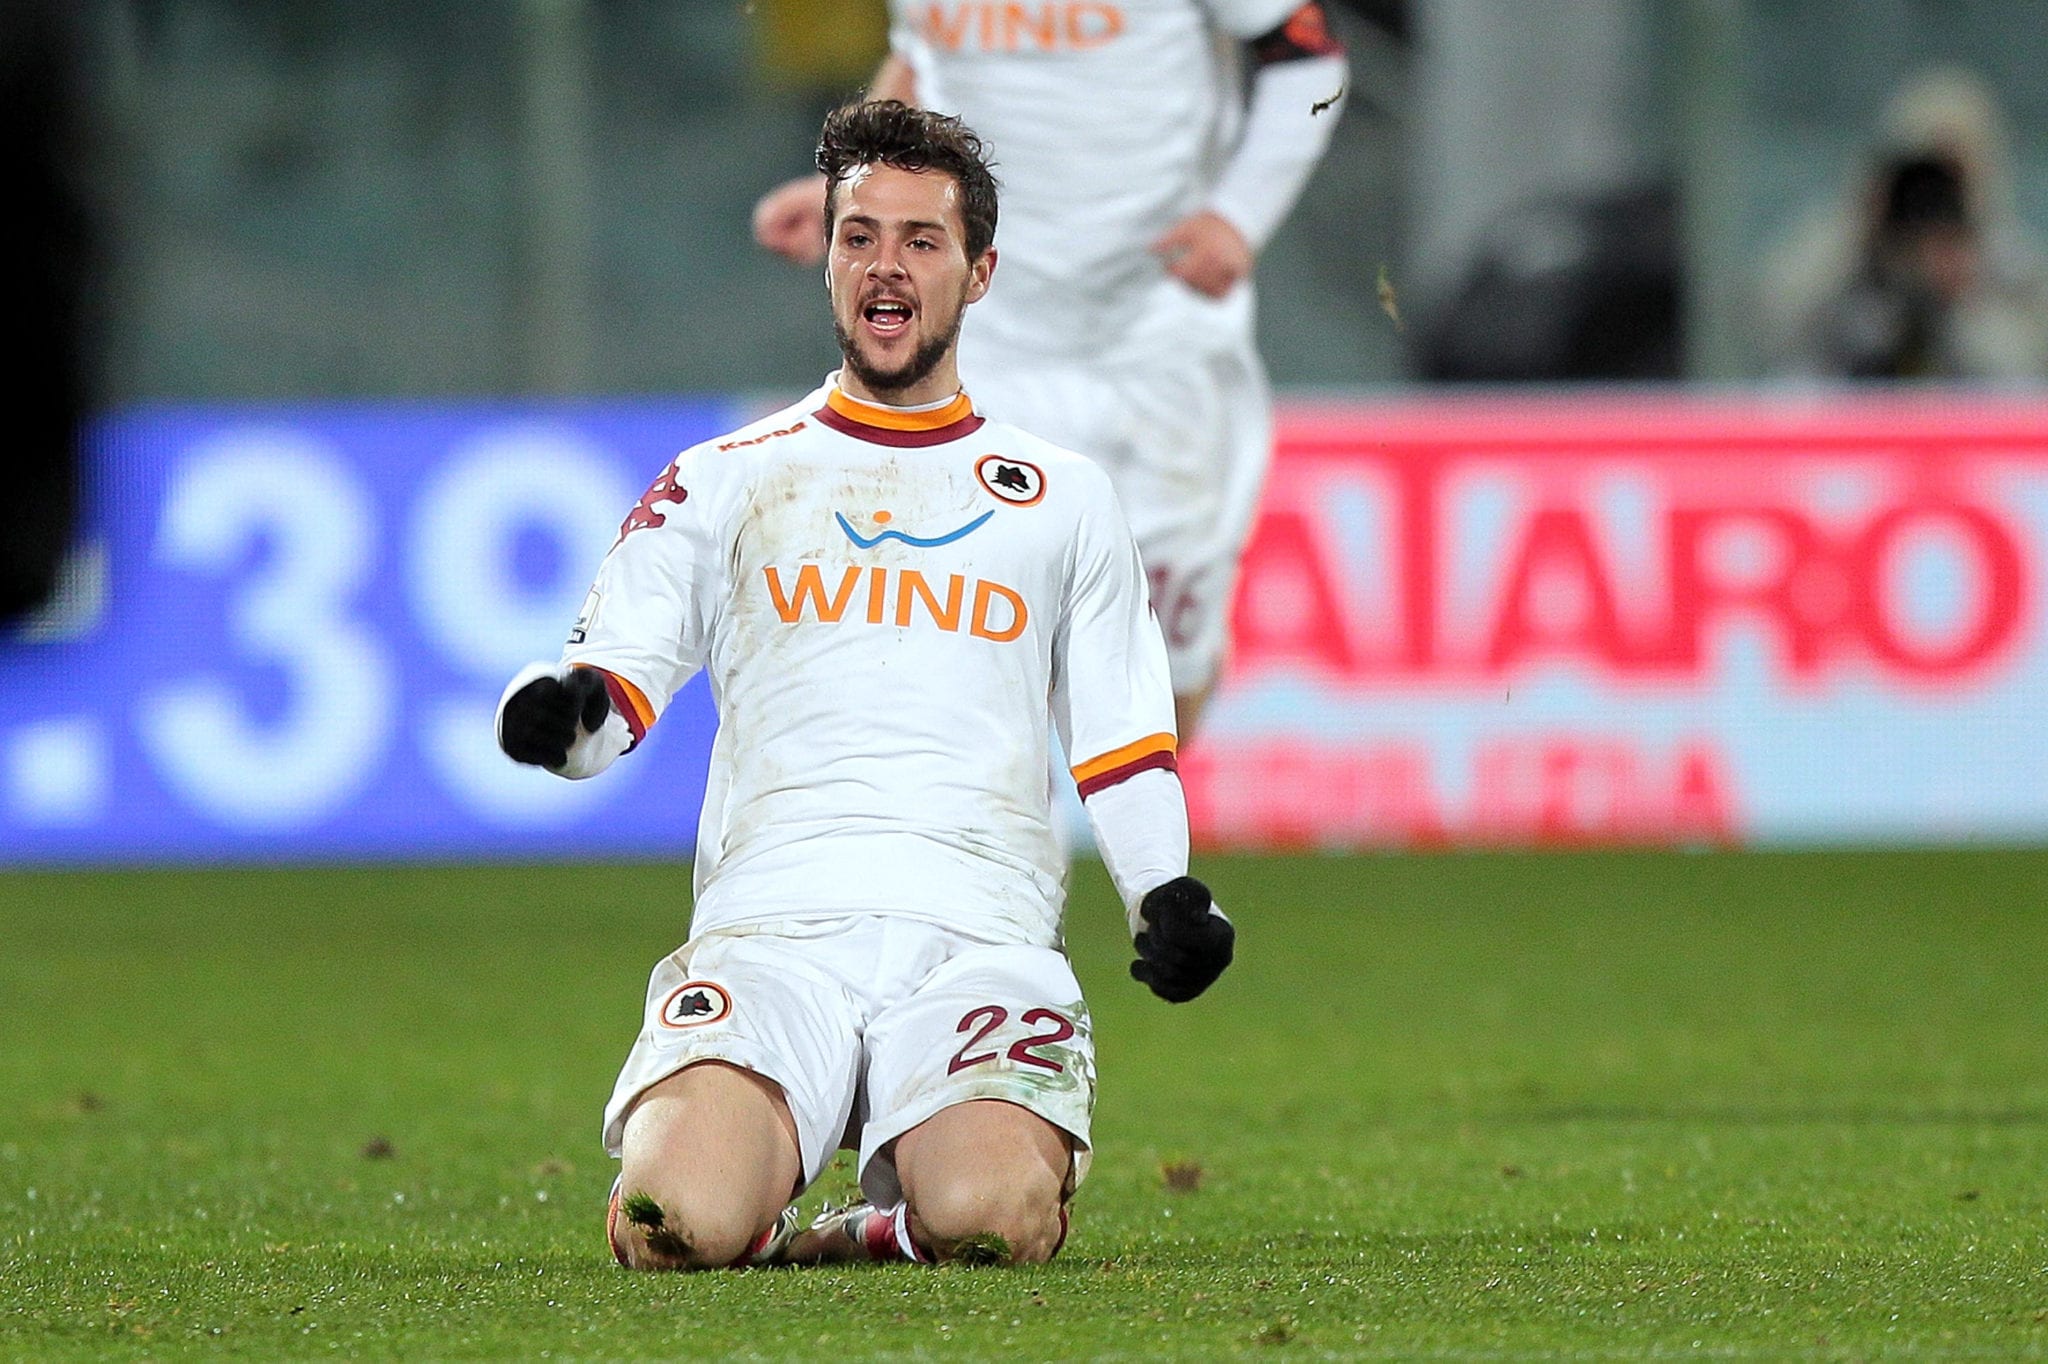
901 281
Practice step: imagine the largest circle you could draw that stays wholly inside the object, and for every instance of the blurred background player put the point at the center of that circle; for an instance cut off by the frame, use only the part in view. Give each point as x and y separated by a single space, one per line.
1147 150
875 945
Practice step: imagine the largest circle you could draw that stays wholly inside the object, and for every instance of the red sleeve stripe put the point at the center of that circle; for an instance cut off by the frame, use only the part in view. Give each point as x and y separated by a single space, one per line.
1125 762
1117 757
628 701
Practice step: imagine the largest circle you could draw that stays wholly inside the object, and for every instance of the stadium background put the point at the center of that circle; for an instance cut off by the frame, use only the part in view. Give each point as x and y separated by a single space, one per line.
466 275
308 1001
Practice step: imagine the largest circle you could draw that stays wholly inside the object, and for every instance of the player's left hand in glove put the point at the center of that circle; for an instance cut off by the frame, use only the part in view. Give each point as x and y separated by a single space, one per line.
1185 942
539 722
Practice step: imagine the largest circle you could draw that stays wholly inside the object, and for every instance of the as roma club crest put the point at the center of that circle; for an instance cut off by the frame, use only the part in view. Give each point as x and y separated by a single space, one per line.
1014 481
695 1003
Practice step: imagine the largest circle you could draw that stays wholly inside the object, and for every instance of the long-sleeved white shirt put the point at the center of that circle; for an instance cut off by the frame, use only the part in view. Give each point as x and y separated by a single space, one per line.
896 610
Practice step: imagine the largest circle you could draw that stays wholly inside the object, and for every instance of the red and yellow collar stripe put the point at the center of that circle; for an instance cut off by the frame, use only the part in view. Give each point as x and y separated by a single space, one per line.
1121 764
893 426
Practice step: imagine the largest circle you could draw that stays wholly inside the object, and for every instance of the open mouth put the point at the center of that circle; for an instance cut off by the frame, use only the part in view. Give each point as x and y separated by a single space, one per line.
887 316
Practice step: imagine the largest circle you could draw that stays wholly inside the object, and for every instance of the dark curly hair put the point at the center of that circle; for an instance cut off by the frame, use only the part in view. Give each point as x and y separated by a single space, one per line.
889 132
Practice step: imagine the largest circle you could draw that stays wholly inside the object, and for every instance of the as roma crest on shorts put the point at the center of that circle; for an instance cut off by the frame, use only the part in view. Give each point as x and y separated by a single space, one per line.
1014 481
695 1003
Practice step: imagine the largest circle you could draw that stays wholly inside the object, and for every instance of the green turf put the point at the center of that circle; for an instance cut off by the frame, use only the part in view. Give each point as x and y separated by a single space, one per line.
1464 1106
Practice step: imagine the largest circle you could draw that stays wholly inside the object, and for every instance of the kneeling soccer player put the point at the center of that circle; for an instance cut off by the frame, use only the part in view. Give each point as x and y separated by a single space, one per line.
896 600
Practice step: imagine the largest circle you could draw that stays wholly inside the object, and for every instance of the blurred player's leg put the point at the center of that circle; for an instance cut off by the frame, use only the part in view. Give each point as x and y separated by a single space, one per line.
1188 708
1196 480
709 1160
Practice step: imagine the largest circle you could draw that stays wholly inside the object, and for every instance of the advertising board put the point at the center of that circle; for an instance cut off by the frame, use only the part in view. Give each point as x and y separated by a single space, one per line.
1640 620
1465 621
290 631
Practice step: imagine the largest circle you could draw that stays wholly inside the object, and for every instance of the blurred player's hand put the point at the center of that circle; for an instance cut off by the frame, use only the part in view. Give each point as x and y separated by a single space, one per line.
1206 252
1185 943
539 722
790 220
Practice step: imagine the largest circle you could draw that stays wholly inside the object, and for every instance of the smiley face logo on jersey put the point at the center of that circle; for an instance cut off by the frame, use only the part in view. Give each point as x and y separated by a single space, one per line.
695 1003
1013 480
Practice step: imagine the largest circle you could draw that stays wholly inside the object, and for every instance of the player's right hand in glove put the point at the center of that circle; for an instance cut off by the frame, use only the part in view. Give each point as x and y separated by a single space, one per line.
539 721
1185 942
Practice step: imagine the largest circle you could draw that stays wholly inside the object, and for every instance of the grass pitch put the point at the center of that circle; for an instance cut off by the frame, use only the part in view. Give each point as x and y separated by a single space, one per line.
1612 1106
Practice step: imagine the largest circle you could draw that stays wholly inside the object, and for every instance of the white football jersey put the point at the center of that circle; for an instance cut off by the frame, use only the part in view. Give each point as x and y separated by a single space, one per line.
894 608
1108 121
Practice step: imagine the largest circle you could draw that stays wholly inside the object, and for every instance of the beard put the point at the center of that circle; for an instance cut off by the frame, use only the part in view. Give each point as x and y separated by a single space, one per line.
912 371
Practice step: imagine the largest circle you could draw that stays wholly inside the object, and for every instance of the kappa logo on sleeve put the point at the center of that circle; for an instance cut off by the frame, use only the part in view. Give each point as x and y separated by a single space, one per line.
644 516
1013 480
695 1003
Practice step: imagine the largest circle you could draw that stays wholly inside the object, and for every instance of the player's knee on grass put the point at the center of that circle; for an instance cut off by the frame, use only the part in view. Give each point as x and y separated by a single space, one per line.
1007 1222
675 1231
983 1181
709 1158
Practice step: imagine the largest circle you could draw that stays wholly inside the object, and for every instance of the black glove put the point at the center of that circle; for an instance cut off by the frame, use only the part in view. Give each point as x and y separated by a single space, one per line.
1186 941
539 722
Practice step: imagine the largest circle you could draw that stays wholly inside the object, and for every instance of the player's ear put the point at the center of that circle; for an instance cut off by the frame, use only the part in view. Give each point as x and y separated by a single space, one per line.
979 274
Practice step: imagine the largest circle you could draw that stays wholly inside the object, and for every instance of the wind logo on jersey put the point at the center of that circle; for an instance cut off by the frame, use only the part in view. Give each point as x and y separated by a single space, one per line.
899 596
1007 26
695 1003
1013 480
916 542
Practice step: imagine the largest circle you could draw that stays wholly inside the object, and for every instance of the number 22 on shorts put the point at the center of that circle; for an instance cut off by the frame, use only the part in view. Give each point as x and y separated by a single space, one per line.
982 1021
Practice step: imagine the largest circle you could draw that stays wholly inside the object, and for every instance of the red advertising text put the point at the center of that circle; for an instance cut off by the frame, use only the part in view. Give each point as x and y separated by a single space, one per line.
1469 543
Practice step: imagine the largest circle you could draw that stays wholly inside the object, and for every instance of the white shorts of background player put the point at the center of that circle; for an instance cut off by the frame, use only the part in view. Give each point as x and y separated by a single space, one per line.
1186 437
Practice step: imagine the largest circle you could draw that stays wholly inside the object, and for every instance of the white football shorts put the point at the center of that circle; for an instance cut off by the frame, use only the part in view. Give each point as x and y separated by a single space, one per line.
870 1024
1186 440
